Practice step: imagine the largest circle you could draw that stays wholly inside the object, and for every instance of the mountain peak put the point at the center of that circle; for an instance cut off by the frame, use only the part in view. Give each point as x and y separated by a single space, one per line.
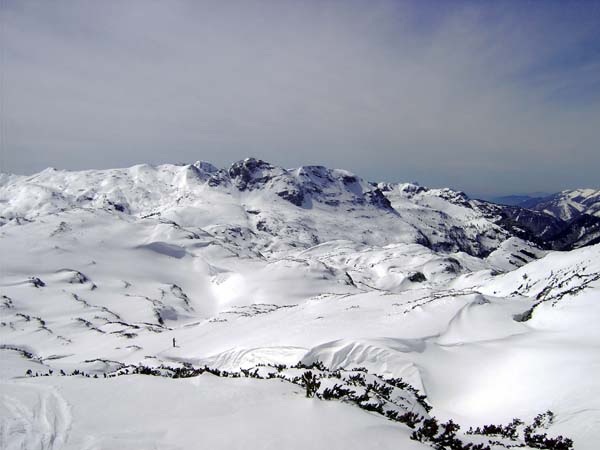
205 166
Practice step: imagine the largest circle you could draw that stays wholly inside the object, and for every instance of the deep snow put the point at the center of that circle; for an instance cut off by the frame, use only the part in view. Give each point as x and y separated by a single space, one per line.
102 269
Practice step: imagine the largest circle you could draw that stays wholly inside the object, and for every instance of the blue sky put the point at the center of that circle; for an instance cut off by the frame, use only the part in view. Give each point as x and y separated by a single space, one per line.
488 97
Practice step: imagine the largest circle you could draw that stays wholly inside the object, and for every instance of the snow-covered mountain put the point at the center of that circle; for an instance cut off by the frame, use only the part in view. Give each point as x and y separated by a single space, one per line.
263 274
539 227
280 208
568 205
576 213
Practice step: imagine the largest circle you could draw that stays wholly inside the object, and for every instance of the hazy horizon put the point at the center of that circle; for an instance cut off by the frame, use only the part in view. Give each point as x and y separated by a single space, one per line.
489 98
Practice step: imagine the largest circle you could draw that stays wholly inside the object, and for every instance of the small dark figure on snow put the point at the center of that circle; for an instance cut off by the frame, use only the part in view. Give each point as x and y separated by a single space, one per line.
174 343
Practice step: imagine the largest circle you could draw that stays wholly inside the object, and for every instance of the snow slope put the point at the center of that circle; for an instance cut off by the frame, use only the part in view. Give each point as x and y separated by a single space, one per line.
101 270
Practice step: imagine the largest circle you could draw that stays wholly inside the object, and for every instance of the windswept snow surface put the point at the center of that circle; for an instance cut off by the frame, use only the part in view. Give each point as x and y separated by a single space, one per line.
255 265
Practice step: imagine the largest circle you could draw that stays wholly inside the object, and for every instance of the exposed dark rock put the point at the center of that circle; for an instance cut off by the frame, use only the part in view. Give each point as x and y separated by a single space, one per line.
293 196
36 282
417 277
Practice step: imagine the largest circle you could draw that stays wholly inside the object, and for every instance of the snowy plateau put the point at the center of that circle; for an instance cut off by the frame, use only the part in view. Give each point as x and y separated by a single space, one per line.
257 307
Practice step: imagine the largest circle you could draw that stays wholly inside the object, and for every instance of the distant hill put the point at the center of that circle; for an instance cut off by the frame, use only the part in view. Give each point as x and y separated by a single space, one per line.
520 199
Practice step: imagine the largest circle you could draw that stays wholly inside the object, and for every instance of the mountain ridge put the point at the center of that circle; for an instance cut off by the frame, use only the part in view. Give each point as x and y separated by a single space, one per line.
442 219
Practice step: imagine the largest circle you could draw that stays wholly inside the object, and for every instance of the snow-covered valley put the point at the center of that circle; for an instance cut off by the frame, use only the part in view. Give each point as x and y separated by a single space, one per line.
262 274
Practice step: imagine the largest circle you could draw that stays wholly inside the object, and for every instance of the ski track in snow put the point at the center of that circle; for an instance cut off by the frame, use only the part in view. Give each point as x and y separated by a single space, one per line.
43 424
